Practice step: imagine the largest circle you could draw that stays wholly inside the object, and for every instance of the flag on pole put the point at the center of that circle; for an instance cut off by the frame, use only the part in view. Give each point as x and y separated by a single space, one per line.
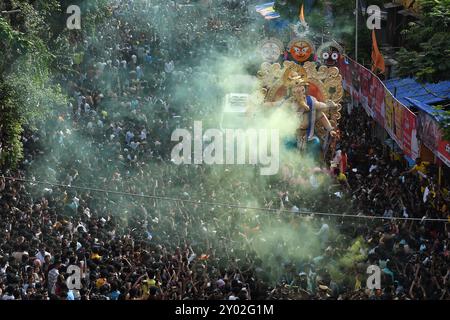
267 10
377 57
302 14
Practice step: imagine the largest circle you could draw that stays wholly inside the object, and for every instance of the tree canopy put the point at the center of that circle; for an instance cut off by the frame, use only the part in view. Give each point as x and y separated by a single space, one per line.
427 45
32 58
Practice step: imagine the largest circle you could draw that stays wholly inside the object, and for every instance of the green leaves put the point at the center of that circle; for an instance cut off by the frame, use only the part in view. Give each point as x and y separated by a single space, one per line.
34 50
427 52
12 43
428 45
27 91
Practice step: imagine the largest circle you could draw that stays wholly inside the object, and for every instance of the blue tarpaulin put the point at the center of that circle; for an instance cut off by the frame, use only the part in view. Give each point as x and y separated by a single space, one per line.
427 93
426 108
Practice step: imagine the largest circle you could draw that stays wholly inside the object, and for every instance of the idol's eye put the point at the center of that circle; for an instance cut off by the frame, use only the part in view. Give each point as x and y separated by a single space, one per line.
325 55
297 50
305 50
335 56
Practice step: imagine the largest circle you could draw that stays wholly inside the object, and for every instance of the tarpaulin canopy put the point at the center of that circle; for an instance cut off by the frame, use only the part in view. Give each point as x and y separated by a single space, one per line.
425 93
435 113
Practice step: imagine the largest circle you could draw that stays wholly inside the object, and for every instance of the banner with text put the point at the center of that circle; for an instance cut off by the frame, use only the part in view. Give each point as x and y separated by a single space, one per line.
368 90
430 134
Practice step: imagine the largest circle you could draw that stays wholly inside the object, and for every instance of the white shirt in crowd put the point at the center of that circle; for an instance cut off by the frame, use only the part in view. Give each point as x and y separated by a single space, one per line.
52 278
169 66
129 136
41 256
101 66
134 145
143 134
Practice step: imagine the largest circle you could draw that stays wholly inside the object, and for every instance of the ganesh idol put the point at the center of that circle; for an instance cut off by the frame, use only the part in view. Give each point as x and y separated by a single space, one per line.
314 94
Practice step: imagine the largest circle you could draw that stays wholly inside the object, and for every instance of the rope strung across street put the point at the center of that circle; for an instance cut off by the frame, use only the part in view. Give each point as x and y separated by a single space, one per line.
219 204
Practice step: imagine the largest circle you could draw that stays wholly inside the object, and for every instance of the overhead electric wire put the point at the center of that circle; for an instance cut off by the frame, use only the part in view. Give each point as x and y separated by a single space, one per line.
219 204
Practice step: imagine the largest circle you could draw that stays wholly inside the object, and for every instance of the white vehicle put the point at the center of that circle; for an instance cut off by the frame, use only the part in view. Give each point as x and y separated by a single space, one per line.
236 104
234 113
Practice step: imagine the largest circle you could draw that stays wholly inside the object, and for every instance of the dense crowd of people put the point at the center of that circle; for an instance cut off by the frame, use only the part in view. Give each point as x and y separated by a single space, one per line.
132 84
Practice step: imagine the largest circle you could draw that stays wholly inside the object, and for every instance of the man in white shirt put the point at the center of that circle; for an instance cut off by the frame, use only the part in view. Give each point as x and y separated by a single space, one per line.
143 134
53 277
134 145
9 294
169 66
41 254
